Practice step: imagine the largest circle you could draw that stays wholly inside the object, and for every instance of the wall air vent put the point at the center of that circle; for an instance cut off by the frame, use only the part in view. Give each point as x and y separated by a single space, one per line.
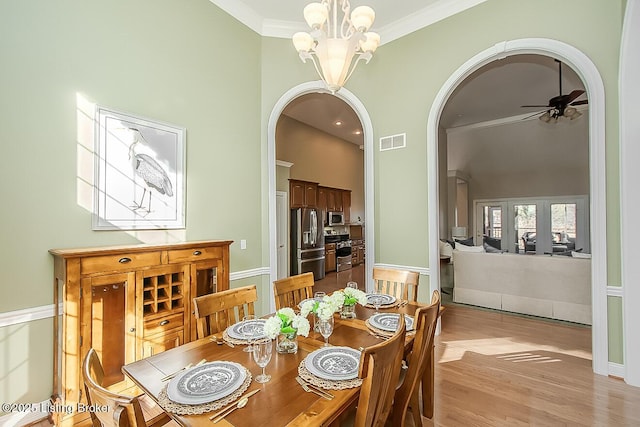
392 142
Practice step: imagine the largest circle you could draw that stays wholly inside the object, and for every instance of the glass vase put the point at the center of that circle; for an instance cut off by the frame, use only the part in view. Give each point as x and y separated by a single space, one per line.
348 311
287 343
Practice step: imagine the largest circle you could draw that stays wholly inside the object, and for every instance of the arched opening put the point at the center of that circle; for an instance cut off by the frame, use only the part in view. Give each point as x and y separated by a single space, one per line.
588 73
367 128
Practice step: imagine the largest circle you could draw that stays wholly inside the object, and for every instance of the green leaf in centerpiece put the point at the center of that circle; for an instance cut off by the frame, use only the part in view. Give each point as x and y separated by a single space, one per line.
287 330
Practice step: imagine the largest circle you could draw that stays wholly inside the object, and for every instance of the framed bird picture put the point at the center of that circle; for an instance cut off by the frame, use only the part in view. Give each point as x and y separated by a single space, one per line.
139 181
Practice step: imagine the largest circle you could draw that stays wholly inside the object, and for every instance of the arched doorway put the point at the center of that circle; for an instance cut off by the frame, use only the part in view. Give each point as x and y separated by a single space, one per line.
595 90
367 128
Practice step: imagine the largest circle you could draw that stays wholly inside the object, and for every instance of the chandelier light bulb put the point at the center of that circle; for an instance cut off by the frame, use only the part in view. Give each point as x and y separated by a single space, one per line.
370 43
362 18
316 15
302 41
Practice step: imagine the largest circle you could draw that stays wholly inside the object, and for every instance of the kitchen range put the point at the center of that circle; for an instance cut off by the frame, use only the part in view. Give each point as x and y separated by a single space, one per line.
343 250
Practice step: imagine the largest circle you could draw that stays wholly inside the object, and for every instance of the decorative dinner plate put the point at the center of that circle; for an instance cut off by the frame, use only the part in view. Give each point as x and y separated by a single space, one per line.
206 383
389 321
238 330
334 363
384 299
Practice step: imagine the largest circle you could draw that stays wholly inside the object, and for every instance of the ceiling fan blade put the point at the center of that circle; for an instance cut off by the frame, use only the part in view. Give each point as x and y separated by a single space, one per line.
574 94
534 114
532 106
582 102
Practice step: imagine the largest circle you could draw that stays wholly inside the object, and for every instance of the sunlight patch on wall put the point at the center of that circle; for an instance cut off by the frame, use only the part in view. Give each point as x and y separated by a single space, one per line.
85 112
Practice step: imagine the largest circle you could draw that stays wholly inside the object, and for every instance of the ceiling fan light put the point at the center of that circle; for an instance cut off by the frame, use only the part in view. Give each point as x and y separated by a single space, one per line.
575 115
546 117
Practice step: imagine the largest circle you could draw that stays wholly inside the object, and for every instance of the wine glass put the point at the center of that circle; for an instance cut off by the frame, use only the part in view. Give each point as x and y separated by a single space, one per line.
326 329
262 349
377 301
318 297
353 285
248 330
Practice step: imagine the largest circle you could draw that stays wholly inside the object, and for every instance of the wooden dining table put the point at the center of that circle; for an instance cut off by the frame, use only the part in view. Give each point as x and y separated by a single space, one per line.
281 401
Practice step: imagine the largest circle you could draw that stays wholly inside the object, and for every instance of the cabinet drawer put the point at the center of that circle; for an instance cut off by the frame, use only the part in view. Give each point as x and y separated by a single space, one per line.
118 262
163 324
160 343
182 255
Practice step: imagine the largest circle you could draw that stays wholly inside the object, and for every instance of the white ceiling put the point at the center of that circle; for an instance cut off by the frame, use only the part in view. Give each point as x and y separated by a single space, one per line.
495 91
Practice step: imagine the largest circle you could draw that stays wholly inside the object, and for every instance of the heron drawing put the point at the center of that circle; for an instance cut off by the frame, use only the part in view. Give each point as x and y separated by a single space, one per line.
151 172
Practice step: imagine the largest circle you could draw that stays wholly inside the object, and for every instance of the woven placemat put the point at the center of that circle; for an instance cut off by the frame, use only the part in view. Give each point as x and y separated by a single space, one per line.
383 332
326 384
395 304
182 409
235 341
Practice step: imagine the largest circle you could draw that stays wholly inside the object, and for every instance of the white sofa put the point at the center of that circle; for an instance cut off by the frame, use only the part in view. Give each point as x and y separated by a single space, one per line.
556 287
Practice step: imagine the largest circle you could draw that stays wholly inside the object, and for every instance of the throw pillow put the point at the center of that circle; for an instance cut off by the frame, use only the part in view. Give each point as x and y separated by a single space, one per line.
490 249
445 249
466 242
464 248
580 255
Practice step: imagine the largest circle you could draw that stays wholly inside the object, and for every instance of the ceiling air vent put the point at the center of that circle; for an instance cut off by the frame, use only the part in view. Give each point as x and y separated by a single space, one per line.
392 142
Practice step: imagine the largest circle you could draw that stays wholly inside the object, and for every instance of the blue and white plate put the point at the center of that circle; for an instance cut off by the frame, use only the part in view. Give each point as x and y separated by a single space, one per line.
206 383
237 331
334 363
389 321
384 299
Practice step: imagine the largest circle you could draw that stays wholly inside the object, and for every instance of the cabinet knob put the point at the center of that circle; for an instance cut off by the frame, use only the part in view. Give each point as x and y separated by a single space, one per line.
164 322
132 330
196 253
124 260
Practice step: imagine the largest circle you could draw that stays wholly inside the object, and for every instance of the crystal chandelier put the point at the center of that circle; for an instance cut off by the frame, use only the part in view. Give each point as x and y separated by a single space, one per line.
336 45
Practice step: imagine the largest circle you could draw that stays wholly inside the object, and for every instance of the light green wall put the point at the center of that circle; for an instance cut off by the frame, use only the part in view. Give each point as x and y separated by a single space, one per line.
190 64
399 85
186 63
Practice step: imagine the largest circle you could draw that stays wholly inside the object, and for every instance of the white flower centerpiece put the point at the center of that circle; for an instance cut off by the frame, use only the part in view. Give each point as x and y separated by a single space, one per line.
347 299
322 309
286 325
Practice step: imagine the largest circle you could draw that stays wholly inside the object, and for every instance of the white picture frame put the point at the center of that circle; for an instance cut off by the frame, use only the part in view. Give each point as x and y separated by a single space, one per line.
139 173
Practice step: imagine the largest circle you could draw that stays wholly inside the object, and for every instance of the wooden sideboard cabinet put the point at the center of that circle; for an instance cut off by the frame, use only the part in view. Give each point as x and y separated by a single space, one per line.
127 302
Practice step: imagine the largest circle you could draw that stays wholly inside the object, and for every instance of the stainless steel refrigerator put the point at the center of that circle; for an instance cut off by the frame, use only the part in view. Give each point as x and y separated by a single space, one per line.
307 242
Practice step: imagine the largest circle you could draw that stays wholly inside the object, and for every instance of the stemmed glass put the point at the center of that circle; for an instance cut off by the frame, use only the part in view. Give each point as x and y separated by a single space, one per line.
326 329
377 301
353 285
248 330
262 355
317 296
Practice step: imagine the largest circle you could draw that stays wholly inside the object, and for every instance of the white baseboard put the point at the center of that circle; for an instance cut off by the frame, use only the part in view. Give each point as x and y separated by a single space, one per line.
616 370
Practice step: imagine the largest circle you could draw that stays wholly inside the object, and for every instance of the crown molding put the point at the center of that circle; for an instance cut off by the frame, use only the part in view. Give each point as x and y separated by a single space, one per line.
285 29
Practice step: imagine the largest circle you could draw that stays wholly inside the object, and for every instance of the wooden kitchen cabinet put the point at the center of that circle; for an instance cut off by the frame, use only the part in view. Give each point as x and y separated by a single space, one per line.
303 194
357 252
127 303
329 257
346 205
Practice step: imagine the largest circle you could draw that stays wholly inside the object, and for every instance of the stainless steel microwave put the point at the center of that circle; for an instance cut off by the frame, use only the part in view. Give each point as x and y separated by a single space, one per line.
335 218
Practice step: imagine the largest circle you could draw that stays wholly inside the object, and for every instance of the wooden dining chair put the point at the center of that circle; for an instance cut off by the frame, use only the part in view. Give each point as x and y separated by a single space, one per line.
420 370
400 283
217 311
379 369
290 291
132 411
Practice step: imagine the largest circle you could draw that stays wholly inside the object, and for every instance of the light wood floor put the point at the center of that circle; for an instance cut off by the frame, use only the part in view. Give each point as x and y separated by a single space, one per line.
497 369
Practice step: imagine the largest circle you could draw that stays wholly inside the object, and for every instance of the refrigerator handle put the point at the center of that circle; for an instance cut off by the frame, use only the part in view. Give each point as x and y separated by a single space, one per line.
314 227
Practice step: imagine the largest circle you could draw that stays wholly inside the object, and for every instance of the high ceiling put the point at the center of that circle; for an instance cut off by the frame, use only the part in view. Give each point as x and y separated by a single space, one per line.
495 91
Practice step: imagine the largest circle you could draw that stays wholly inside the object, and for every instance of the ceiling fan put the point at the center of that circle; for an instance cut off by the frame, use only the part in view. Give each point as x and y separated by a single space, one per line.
561 105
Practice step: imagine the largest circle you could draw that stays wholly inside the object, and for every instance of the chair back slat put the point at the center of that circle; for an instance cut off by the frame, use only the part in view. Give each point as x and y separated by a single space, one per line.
420 364
217 311
402 284
288 292
379 370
